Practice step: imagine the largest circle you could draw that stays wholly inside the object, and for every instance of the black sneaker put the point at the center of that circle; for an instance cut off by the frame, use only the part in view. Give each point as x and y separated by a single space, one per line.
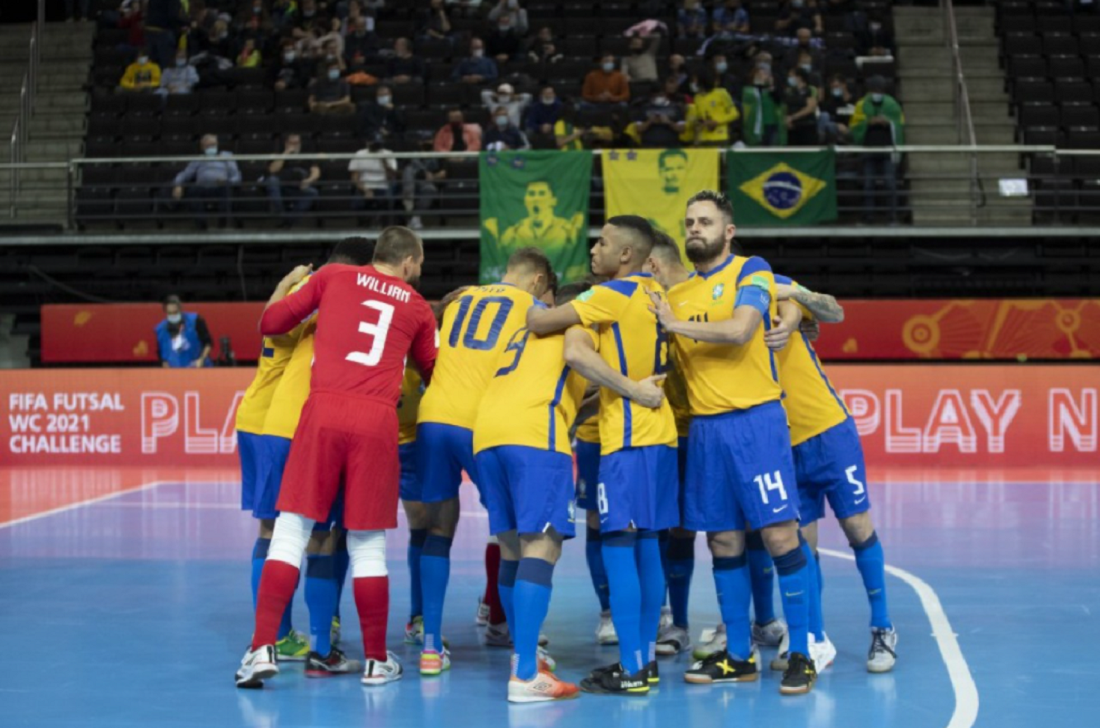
799 677
614 680
653 675
722 667
336 663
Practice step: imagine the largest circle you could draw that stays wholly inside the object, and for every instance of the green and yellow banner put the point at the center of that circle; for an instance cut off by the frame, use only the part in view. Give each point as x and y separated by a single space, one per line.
782 188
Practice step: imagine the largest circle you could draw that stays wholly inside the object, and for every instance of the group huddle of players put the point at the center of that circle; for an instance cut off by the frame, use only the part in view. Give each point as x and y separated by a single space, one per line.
713 414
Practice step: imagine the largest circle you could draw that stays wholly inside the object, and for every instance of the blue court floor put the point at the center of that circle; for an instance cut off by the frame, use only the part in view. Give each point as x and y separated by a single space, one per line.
133 612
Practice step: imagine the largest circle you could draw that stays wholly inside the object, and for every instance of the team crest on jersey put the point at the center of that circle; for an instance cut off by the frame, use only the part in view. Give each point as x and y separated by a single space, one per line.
719 289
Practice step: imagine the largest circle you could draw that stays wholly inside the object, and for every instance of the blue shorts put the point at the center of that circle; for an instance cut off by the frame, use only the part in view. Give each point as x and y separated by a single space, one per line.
681 470
442 453
588 473
410 486
527 489
830 465
638 488
247 449
740 471
271 454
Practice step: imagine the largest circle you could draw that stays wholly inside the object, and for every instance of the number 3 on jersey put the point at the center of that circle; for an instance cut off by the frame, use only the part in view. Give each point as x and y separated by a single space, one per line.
378 331
469 339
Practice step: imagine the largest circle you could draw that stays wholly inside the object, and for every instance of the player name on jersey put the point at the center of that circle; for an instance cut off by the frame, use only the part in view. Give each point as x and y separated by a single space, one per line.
383 288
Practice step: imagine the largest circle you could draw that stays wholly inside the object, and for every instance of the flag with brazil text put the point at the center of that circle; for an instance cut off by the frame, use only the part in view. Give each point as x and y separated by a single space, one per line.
537 199
657 183
783 187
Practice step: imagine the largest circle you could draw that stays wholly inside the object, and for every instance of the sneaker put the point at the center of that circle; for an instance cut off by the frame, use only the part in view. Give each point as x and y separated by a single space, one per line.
292 648
334 632
652 673
779 662
497 635
799 677
414 631
614 680
770 634
672 640
605 632
823 653
710 641
379 673
543 640
883 653
542 688
482 618
257 665
336 663
433 663
415 223
722 667
546 662
666 618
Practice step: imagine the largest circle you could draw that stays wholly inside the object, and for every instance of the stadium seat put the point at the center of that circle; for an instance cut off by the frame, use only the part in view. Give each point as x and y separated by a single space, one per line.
1081 116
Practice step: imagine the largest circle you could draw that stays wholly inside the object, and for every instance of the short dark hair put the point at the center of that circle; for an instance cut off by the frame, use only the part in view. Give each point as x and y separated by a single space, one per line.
169 300
665 247
720 201
570 291
552 284
353 251
533 260
395 244
642 232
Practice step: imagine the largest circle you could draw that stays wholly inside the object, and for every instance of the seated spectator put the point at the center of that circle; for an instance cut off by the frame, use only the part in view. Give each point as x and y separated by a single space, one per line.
878 121
678 69
181 78
465 8
836 110
541 48
140 76
507 97
291 179
805 45
418 188
456 135
373 172
760 126
568 136
329 93
361 45
730 19
692 20
503 135
435 22
292 71
800 100
796 14
284 14
504 43
254 16
641 64
605 86
711 113
207 181
404 67
183 339
132 20
516 15
330 51
876 39
219 44
308 14
476 68
542 116
249 57
659 124
380 119
806 63
350 20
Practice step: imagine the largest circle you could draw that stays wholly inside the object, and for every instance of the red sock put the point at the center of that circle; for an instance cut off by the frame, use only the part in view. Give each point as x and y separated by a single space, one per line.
492 596
372 600
277 585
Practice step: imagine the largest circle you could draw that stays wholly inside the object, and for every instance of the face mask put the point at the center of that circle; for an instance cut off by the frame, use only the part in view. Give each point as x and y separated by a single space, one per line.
637 51
766 67
838 92
477 52
513 4
174 318
384 100
807 67
210 151
181 62
660 101
796 3
504 98
609 67
502 121
330 57
288 57
223 35
257 11
877 98
792 81
370 23
308 13
548 100
333 74
505 28
876 27
721 66
142 60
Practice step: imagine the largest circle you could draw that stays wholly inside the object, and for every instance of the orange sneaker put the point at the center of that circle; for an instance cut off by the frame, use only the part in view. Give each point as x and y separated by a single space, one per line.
544 687
433 663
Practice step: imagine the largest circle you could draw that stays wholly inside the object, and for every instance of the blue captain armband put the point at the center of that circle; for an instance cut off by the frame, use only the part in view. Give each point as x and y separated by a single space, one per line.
753 296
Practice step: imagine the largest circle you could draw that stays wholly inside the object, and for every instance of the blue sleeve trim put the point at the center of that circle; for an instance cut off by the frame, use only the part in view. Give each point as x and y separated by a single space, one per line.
753 265
626 288
758 298
783 280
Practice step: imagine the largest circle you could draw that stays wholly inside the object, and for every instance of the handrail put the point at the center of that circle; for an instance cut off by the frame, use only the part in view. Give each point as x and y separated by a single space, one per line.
21 127
966 133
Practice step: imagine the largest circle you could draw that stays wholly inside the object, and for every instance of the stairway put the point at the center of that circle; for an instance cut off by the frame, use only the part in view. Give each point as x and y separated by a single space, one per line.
940 191
56 129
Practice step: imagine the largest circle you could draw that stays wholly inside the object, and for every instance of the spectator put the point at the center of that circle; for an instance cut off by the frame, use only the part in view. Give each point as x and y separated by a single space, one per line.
692 20
404 67
805 45
542 117
289 179
504 43
466 8
381 120
132 20
218 42
516 15
330 50
506 96
678 69
641 64
435 22
254 17
800 100
71 12
476 68
361 45
675 95
180 78
836 110
373 172
141 75
730 19
207 181
164 19
760 127
711 113
541 48
249 57
348 21
725 77
418 181
878 121
292 71
660 122
503 134
797 14
183 339
308 15
806 63
875 39
568 136
329 93
456 135
284 14
605 86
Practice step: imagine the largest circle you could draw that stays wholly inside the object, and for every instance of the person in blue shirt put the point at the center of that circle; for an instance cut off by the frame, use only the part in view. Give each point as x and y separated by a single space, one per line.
183 339
477 68
206 181
503 134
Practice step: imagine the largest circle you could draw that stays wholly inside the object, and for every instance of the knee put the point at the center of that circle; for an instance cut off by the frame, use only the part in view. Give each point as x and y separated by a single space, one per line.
781 538
367 553
726 544
272 182
858 528
289 539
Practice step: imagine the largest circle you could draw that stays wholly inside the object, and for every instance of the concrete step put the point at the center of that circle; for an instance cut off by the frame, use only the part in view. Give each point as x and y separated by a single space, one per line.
974 26
53 151
928 111
941 217
909 74
931 58
67 123
60 102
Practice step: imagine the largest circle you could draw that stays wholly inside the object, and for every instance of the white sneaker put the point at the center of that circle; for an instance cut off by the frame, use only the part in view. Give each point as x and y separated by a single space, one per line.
497 635
379 673
257 665
779 662
482 618
415 223
542 688
710 641
770 634
822 653
884 650
672 640
546 663
605 631
666 618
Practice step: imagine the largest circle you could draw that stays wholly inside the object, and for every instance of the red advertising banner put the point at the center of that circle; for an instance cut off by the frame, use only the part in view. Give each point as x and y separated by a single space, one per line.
945 416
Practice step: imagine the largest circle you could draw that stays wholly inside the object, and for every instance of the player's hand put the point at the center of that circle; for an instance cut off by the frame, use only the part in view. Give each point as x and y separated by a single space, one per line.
298 274
811 328
450 297
661 310
777 336
648 392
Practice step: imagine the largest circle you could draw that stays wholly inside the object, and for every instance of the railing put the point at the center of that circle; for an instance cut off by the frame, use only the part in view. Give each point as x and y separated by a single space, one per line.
966 133
21 127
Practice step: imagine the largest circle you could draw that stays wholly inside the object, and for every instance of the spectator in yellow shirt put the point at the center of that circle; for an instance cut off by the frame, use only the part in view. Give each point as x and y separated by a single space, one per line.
709 117
142 75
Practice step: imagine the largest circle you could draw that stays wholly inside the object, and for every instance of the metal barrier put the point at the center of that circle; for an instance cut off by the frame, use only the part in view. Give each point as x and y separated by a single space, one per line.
966 133
20 128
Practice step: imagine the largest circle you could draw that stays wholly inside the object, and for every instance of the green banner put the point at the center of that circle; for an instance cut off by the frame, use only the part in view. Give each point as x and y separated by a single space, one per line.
783 187
535 198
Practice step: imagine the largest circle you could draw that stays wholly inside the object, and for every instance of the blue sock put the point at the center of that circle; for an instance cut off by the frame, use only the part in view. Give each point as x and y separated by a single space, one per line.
794 584
762 573
731 580
594 555
626 596
532 601
651 575
259 556
663 537
679 567
506 586
342 561
813 594
871 563
412 557
435 572
321 598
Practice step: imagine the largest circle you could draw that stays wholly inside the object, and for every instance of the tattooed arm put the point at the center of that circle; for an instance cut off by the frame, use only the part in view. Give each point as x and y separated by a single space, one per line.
823 306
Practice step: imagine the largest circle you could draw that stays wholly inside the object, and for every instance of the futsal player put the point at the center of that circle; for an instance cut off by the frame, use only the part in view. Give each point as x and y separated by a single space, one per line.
740 468
370 319
476 329
586 447
636 496
416 516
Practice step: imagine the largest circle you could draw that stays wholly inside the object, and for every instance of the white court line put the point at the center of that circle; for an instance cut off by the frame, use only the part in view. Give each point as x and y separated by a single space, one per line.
81 504
962 682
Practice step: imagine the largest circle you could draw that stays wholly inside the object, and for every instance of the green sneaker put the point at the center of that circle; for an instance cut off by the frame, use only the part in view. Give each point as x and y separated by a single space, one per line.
334 632
292 648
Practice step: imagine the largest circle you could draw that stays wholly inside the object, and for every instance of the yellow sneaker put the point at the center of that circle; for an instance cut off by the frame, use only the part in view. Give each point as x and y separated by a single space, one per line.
433 663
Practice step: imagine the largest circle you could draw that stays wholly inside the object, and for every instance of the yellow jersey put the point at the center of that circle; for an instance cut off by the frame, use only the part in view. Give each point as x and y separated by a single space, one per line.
476 329
274 355
589 430
631 342
812 405
293 390
532 397
724 377
676 391
412 389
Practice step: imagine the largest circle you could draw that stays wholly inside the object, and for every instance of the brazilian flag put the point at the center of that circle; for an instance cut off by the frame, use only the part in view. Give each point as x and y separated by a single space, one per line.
782 187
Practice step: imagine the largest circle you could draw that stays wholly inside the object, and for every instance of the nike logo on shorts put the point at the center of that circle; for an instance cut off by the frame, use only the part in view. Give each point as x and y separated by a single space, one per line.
861 500
777 510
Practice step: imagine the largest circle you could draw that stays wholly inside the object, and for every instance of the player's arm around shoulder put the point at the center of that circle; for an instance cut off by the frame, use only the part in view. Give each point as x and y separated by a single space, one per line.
582 356
736 330
284 310
542 320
